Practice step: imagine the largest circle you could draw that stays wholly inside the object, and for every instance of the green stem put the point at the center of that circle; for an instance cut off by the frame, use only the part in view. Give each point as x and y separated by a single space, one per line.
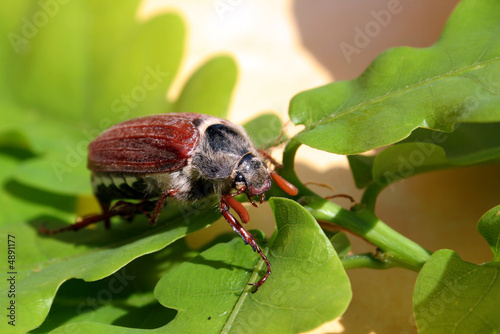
370 195
371 261
361 221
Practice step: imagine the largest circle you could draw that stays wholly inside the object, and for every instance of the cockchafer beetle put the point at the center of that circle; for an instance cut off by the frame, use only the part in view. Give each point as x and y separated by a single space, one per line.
188 157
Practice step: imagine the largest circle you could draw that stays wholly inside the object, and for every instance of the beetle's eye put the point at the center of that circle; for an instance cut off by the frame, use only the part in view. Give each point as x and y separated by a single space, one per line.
239 178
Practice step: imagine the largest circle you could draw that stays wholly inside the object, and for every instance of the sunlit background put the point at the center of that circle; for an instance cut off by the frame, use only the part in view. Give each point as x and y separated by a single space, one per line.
283 47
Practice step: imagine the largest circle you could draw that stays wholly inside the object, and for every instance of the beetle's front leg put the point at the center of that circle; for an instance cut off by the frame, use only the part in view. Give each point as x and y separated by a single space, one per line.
248 238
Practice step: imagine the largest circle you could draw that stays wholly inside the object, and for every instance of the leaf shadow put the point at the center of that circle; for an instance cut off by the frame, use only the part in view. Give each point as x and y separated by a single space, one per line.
217 264
121 231
130 289
83 301
152 315
39 197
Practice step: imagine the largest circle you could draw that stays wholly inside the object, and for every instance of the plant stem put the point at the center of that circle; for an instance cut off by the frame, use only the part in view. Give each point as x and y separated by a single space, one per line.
361 221
370 195
371 261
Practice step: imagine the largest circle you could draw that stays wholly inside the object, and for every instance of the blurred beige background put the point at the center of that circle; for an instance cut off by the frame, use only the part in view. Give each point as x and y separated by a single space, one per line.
283 47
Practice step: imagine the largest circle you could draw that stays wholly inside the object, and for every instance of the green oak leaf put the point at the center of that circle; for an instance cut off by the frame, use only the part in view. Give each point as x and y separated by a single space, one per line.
455 296
308 285
45 262
264 130
124 298
51 175
209 89
341 243
115 67
489 228
427 150
470 144
90 66
361 168
24 204
455 80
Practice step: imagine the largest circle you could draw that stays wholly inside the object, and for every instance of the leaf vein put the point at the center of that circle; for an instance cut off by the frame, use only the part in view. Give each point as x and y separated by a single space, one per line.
462 70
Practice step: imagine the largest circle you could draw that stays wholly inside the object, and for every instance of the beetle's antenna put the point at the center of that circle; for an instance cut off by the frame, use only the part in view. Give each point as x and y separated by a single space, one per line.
269 158
286 186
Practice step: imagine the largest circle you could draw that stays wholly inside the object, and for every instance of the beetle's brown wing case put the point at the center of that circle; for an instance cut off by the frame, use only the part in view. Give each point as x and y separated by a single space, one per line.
151 144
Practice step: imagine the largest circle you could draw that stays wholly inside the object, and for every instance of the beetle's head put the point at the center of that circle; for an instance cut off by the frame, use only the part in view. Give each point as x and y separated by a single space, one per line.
251 175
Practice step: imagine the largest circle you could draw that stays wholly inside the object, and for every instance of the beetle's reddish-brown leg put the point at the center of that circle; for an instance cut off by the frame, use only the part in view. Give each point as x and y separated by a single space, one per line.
237 207
81 224
76 226
161 203
121 208
128 210
104 216
105 205
247 238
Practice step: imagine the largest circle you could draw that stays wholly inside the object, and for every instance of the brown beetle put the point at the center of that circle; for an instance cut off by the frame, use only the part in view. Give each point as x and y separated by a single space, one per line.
188 157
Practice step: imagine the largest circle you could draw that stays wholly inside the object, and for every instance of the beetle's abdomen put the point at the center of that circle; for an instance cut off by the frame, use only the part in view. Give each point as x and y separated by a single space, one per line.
110 186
